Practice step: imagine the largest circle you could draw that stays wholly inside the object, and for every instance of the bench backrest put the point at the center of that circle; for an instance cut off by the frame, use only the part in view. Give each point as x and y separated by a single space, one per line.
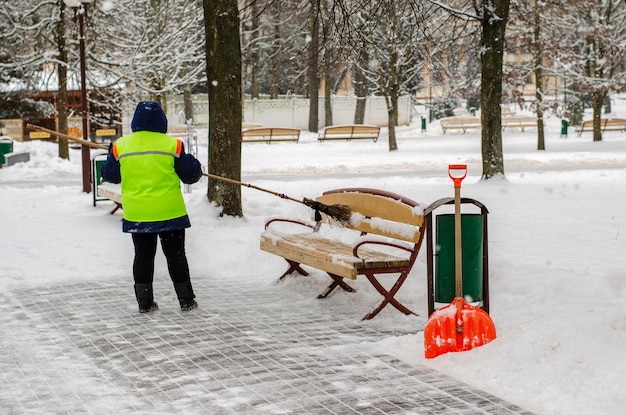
604 122
616 121
270 132
354 130
379 212
460 120
514 119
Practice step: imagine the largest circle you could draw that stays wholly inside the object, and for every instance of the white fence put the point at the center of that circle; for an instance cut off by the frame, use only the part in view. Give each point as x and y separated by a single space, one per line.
289 112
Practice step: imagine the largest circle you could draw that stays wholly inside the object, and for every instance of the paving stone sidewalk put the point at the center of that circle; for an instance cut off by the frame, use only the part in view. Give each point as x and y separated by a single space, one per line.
83 349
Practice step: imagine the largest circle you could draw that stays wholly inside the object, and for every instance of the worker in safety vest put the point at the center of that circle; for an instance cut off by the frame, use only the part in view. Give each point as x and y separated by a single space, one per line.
150 166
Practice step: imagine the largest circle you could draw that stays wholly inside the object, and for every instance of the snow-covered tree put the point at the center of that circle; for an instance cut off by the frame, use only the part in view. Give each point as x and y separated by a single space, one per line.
150 47
493 17
274 38
394 34
33 48
528 38
592 49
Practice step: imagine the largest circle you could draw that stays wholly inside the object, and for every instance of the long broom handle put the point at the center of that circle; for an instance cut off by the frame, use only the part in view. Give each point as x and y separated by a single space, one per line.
69 137
227 180
212 176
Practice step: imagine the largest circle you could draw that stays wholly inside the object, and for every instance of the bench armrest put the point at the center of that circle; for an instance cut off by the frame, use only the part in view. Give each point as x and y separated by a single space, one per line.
369 241
295 221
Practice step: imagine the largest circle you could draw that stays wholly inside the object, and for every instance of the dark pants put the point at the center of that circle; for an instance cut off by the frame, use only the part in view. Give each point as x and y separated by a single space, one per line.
173 245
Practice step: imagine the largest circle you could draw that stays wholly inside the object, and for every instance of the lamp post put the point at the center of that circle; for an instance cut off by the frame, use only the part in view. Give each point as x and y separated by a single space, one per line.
80 11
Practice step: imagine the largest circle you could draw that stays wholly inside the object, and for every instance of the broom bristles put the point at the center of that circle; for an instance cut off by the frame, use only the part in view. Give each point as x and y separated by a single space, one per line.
340 214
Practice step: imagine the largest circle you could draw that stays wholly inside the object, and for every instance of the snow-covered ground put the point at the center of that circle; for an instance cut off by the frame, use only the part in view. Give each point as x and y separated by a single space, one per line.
556 248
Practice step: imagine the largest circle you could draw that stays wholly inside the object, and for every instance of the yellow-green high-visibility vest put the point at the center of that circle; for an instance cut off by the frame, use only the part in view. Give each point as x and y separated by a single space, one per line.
150 186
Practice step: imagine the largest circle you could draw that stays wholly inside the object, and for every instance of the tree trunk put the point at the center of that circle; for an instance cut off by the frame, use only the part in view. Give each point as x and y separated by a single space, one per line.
493 23
393 145
539 96
276 54
392 113
188 104
255 87
223 57
61 104
391 99
597 99
328 96
360 90
538 67
313 64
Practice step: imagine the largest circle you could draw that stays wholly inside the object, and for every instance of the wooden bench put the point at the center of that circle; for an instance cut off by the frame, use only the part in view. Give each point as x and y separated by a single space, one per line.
459 123
269 134
349 132
607 124
112 192
518 122
384 237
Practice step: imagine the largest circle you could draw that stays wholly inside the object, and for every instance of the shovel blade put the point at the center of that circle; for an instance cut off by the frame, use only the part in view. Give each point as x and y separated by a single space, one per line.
457 327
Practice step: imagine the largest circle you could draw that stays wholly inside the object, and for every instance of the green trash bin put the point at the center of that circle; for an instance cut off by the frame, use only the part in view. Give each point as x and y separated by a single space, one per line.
564 125
6 146
472 245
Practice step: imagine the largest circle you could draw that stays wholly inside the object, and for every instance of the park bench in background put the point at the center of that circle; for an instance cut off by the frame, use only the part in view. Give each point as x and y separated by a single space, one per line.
269 134
461 122
349 132
522 122
607 124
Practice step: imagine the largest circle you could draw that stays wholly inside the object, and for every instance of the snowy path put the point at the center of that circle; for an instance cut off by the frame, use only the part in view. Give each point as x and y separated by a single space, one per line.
80 348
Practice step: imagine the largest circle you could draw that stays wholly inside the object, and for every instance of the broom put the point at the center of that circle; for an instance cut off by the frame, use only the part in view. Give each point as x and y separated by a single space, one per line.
338 213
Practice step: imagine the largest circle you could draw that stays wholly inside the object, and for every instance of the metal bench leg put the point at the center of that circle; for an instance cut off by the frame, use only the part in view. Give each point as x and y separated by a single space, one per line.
388 295
337 281
117 206
293 266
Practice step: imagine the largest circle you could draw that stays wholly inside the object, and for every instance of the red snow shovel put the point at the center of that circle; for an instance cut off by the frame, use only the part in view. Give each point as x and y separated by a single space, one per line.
458 326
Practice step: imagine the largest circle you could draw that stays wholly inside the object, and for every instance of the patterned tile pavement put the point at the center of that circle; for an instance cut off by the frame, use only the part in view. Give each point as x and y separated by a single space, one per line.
82 348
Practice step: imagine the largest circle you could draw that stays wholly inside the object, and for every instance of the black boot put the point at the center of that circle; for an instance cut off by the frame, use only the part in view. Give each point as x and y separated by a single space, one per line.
185 294
145 298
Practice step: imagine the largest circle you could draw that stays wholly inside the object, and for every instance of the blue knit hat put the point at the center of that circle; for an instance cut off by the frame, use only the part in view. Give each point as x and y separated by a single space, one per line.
149 116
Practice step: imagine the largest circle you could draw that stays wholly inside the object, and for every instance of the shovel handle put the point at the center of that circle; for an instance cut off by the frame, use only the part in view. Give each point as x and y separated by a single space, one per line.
457 172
